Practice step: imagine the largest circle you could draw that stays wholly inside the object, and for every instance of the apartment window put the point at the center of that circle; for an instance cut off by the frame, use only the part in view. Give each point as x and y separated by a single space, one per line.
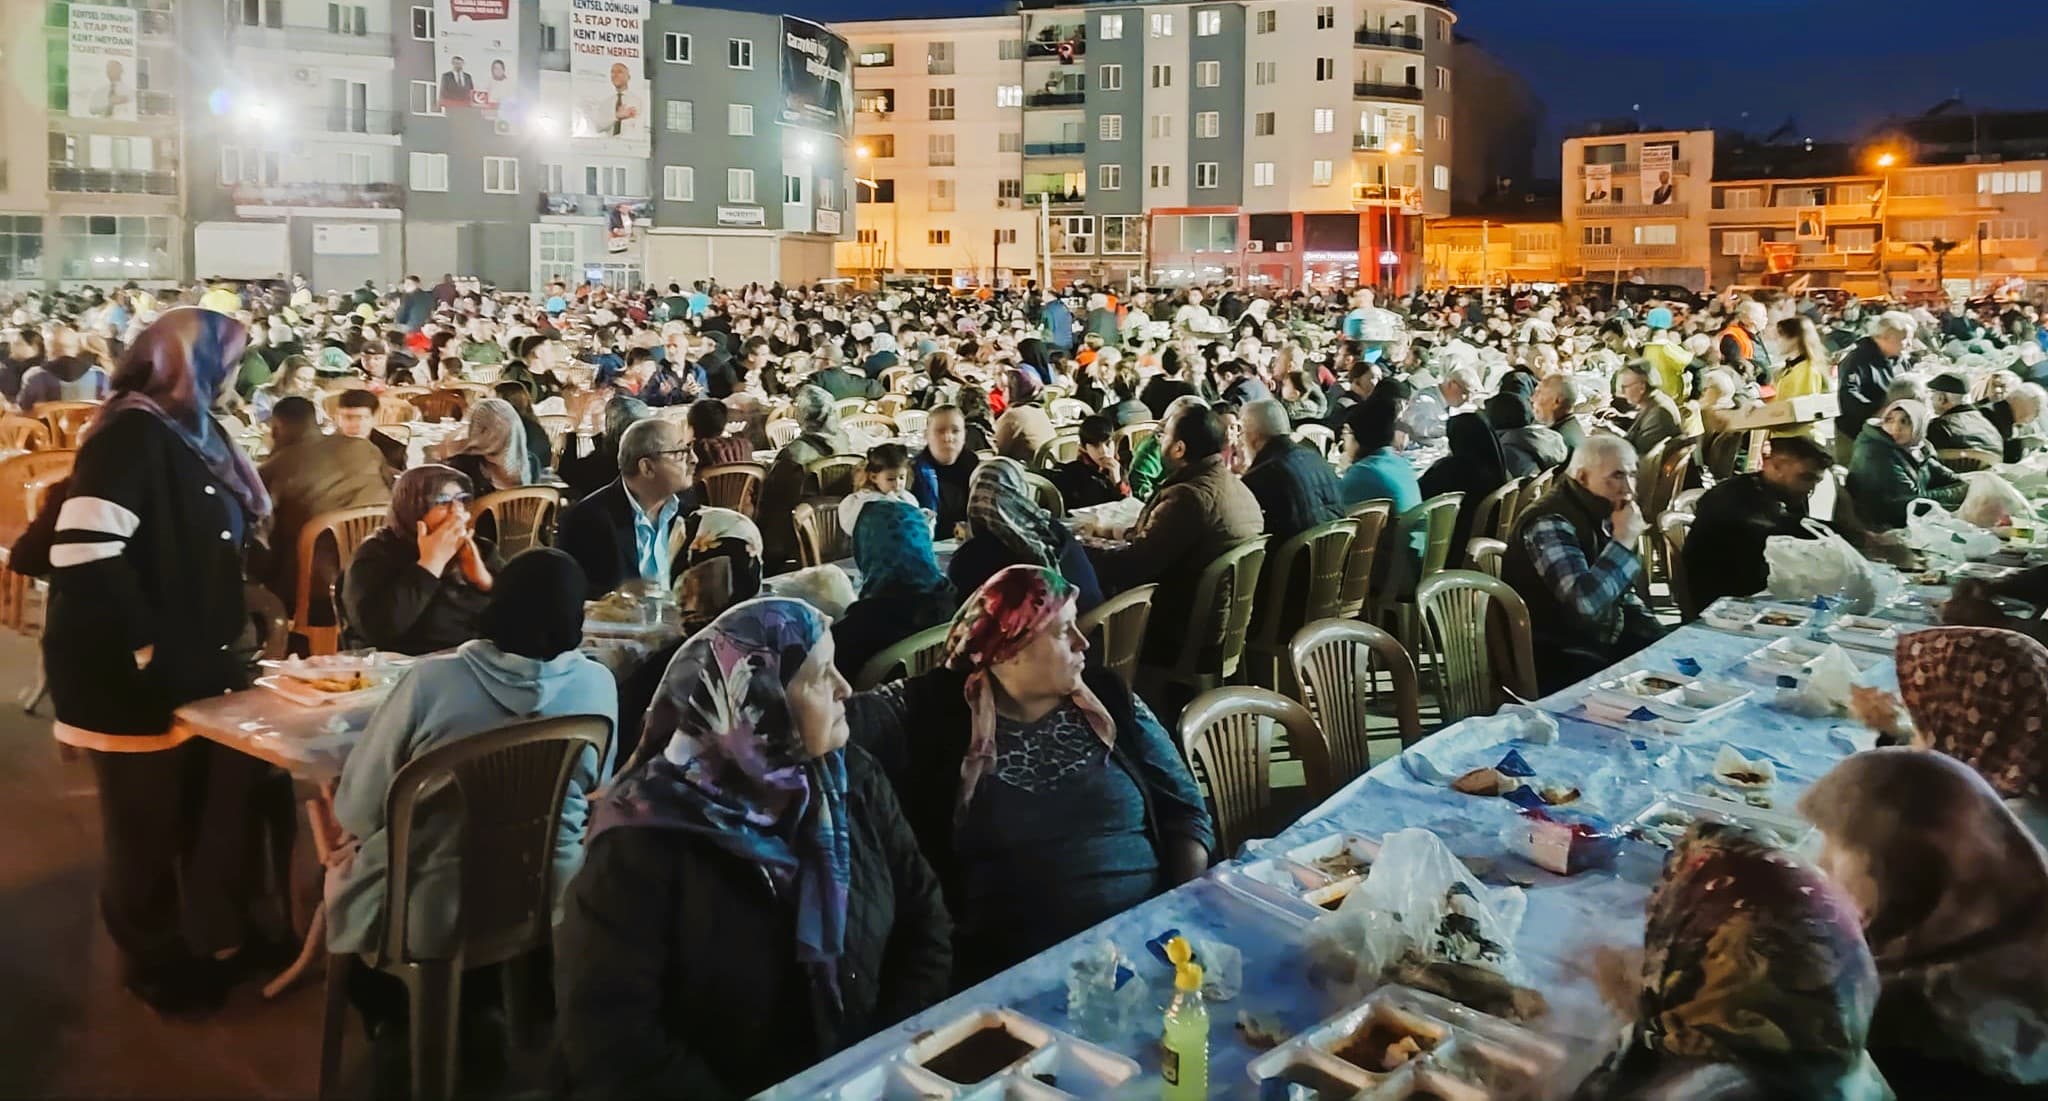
1996 229
1112 27
1321 173
678 183
826 194
937 237
1740 198
739 53
352 168
1162 24
1443 30
739 185
1797 196
604 179
1006 236
500 174
1009 189
882 146
1262 124
938 59
1162 126
428 171
348 19
1162 76
866 237
1010 141
675 48
1208 74
1920 184
940 196
1325 120
1266 72
1110 177
1207 173
1110 128
1616 153
1442 123
1009 95
1208 124
884 191
940 103
1208 22
552 177
1010 49
679 115
422 24
1926 230
1440 177
1441 78
876 55
1262 174
739 120
348 107
1596 235
1160 175
1656 235
1112 78
939 150
1265 21
2009 183
1856 239
874 101
793 189
426 98
1326 17
1326 68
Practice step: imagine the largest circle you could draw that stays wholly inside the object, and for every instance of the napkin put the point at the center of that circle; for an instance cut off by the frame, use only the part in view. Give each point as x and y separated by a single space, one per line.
1731 763
1830 676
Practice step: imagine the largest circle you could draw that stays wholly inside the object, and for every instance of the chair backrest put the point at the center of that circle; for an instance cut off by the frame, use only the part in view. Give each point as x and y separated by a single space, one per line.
783 430
506 787
849 406
1686 501
19 433
873 424
1317 436
441 405
1062 448
1439 516
1067 410
1372 517
1483 553
918 654
1962 460
1303 581
1486 514
1534 488
1115 629
1675 526
25 481
1131 435
1648 466
346 529
395 409
895 379
831 476
1046 494
1510 509
66 419
819 538
1222 611
520 519
1227 733
736 486
1477 631
1672 467
268 616
557 426
910 422
892 405
1333 662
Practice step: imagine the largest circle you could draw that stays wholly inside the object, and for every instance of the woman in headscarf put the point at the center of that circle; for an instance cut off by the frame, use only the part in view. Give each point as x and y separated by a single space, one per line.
902 590
492 453
1954 895
1528 447
980 419
751 900
939 385
145 615
1756 983
1005 527
420 583
1980 695
1024 426
821 437
1475 467
1892 465
1015 749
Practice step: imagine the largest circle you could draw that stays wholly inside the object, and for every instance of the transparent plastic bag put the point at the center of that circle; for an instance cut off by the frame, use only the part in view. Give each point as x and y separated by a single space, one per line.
1420 904
1992 502
1932 530
1826 565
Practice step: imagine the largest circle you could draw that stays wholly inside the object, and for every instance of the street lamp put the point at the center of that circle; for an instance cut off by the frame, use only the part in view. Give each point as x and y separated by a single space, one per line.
895 211
1885 160
1388 258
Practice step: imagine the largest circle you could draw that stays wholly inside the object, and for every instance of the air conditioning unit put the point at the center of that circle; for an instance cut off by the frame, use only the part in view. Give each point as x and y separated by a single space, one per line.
502 128
1283 246
1255 246
306 74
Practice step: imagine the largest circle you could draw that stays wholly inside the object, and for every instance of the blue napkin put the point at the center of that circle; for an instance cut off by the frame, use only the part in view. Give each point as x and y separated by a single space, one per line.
1514 765
1688 666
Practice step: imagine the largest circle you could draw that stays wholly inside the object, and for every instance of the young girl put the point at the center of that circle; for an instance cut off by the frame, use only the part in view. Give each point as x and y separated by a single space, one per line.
885 474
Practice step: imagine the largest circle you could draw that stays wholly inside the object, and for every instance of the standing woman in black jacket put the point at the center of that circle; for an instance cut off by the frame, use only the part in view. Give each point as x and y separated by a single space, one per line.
751 899
145 611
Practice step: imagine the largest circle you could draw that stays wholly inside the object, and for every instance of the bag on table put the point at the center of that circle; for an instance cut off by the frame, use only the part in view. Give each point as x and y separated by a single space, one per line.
1992 502
1931 530
1826 565
1419 905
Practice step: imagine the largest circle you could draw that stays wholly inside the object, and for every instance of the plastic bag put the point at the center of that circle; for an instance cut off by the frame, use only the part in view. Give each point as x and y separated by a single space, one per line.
1420 904
1931 530
1992 502
1826 565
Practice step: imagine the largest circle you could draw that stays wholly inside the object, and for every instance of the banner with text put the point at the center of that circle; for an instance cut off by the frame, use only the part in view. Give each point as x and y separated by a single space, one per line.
476 52
609 72
1658 178
102 49
817 78
1599 183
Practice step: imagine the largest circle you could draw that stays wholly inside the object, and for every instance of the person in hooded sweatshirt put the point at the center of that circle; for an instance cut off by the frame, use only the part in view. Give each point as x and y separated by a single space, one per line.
73 374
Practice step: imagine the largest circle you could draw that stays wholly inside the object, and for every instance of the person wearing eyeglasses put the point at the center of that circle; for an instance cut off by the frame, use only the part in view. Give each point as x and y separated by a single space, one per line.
420 583
633 528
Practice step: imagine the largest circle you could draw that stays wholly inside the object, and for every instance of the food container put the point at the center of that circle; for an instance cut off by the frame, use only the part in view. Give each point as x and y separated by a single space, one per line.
1794 657
1002 1055
1327 868
1868 632
1698 701
329 680
1562 842
1636 690
977 1047
1732 615
1666 819
1782 620
1462 1054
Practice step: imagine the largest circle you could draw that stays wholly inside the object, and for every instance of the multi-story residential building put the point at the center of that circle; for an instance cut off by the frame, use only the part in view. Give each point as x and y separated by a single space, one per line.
939 148
1635 206
1495 118
1512 239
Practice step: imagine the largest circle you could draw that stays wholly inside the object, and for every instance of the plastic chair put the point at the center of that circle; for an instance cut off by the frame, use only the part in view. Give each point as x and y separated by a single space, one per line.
873 424
819 538
1675 526
1484 554
1210 641
1334 662
557 426
850 406
272 623
1062 448
1962 460
1372 519
1228 735
1115 629
1461 610
66 419
507 786
1436 517
1302 581
1511 505
1131 435
831 476
920 653
395 409
19 433
441 405
1046 494
782 431
1067 410
1317 436
1686 501
736 486
1486 514
520 519
347 528
891 404
895 379
910 422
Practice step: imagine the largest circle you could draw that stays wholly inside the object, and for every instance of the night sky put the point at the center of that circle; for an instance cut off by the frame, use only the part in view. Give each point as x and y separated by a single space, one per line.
1834 66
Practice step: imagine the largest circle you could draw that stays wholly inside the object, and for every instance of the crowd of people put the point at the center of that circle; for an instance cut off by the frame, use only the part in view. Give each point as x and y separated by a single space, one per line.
769 867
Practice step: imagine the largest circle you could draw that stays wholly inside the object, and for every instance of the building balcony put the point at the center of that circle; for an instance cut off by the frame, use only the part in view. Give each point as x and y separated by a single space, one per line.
1630 253
1055 99
1378 193
156 105
309 38
1056 198
1055 148
1632 210
329 120
1059 43
576 204
1382 143
109 181
1629 170
1389 40
326 196
1367 89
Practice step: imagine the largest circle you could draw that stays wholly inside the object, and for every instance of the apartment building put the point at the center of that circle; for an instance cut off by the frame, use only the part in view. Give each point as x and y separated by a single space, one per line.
1635 207
1512 240
938 149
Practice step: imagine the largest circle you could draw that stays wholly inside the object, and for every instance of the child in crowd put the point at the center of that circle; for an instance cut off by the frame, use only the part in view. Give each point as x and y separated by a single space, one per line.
885 474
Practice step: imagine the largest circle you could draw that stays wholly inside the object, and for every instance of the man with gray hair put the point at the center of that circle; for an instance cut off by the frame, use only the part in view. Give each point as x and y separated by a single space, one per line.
1572 558
631 529
1554 401
1431 408
1294 486
1865 372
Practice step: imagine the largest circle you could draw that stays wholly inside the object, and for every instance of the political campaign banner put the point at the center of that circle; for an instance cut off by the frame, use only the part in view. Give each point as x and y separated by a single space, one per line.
1599 183
608 68
817 78
102 62
476 52
1659 180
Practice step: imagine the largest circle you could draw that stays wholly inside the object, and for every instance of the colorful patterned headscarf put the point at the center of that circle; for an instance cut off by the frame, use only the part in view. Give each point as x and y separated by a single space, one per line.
734 769
892 545
174 371
1000 503
1980 695
1010 609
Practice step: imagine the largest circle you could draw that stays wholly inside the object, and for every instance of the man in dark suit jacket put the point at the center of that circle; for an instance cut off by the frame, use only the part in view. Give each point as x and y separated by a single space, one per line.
457 87
630 529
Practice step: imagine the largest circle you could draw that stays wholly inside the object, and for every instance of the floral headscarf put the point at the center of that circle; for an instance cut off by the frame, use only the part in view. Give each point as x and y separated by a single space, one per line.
1002 617
1980 695
1000 503
892 545
734 768
496 434
174 371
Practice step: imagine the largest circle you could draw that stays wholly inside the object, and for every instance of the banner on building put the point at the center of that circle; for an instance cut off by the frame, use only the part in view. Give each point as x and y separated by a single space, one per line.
829 222
346 239
1599 183
742 216
817 78
1812 224
1659 176
622 218
102 62
476 52
609 73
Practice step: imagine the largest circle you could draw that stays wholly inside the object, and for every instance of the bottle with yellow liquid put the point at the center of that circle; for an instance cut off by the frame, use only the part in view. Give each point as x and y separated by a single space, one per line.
1184 1058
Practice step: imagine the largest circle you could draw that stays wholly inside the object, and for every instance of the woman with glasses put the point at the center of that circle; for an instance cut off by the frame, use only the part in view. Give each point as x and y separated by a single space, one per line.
420 582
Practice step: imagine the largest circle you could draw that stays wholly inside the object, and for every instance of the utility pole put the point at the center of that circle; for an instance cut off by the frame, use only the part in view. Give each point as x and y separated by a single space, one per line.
1045 236
1485 261
995 262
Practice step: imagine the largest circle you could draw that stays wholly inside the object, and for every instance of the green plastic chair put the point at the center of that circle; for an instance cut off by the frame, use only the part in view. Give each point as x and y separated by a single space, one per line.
1372 517
920 653
1303 581
1115 629
1210 641
1477 633
1227 735
1334 660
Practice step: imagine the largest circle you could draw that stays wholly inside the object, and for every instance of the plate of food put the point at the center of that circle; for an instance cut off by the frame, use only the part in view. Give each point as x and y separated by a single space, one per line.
1308 880
1698 701
1635 690
1794 657
325 683
1868 632
1667 818
1732 615
1782 620
618 614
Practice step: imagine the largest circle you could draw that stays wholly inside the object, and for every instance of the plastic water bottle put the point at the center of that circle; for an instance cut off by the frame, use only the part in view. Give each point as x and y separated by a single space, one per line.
1184 1060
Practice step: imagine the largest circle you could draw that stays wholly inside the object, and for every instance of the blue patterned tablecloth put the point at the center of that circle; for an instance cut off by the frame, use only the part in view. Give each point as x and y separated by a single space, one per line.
1570 922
